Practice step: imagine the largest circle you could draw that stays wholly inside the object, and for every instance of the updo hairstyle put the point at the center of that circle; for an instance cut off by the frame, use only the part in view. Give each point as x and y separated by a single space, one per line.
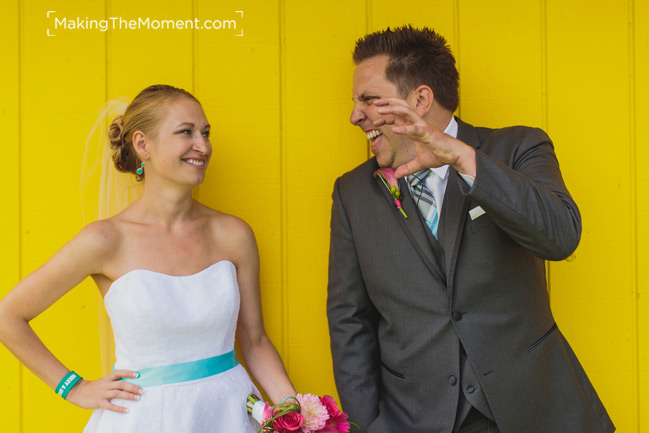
143 114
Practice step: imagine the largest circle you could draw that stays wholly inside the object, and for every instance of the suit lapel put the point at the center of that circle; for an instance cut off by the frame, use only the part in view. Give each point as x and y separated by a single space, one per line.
454 211
455 206
413 228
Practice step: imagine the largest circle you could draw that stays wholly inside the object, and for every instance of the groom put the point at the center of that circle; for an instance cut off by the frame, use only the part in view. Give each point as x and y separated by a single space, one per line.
438 312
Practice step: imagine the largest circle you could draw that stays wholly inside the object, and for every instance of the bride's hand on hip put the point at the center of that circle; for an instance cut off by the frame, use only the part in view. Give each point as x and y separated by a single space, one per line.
97 394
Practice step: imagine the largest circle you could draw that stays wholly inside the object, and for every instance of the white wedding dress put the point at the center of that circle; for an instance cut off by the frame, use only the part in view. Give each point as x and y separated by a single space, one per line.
159 320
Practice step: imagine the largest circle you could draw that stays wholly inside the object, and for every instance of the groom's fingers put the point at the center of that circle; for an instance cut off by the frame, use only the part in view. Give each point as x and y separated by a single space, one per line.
409 168
415 132
383 102
405 113
380 122
397 111
389 119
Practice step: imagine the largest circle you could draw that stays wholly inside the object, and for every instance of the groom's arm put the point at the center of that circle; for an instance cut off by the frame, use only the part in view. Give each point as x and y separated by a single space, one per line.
352 324
520 186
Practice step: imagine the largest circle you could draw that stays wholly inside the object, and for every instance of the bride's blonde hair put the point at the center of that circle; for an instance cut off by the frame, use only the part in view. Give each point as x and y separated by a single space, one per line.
143 114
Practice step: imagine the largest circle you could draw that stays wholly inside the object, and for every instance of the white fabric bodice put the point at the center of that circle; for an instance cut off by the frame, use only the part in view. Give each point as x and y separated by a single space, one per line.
159 319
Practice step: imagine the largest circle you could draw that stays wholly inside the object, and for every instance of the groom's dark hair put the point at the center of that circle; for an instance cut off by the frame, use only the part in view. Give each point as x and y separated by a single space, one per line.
416 57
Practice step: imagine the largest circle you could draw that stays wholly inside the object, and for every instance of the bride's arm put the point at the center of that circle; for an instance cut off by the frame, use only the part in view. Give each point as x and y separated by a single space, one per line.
78 259
260 355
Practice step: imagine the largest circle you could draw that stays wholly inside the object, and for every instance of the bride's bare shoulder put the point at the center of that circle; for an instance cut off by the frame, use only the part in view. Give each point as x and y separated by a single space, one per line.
106 235
228 227
100 235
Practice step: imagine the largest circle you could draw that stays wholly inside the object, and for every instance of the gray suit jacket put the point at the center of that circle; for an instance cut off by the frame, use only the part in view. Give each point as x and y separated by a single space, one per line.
398 315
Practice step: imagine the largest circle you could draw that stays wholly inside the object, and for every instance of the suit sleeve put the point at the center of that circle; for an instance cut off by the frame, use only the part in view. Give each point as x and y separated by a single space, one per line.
527 198
352 323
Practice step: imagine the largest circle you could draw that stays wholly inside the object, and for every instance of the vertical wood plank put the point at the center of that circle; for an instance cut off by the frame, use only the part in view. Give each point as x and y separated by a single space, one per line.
641 104
588 117
501 74
237 80
438 15
140 57
10 377
318 145
62 76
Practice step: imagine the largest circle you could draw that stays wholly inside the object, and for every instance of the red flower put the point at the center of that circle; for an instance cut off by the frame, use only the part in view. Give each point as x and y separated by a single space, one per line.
289 423
337 422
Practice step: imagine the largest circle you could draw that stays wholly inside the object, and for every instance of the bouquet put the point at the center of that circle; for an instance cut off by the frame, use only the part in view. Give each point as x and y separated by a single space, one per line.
304 413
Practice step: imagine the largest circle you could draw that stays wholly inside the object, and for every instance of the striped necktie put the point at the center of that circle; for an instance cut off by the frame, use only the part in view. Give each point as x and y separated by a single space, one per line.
424 199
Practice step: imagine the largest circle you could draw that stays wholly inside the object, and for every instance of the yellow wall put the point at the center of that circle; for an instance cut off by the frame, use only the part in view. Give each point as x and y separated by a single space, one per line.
279 100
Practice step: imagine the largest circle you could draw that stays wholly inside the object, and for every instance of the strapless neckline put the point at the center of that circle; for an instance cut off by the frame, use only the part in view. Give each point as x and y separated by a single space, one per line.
162 274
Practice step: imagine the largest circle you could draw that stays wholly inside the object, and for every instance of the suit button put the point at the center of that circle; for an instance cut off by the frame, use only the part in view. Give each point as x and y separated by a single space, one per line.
470 389
452 380
457 316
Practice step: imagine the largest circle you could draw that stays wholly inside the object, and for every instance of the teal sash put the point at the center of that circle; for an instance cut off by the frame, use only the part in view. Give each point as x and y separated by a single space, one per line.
185 371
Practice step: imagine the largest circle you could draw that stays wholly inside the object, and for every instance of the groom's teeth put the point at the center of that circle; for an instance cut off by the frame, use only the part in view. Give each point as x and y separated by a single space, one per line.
373 134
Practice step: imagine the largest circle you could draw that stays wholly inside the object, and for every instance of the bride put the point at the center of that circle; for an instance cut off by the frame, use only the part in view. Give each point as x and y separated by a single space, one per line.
178 280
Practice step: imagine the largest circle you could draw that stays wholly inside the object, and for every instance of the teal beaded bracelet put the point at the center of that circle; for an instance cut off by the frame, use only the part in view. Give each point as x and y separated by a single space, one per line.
66 384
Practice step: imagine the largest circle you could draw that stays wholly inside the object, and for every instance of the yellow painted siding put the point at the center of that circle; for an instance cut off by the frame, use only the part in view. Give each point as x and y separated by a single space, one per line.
279 99
10 369
316 90
60 79
237 81
639 113
593 296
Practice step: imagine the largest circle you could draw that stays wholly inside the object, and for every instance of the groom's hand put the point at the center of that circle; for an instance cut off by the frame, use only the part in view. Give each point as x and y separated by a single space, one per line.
434 148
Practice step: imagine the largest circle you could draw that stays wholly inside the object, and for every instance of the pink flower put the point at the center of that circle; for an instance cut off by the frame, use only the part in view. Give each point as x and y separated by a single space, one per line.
268 411
314 412
336 425
329 403
289 423
386 174
337 420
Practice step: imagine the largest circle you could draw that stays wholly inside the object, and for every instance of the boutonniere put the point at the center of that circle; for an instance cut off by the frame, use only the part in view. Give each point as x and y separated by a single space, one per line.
386 174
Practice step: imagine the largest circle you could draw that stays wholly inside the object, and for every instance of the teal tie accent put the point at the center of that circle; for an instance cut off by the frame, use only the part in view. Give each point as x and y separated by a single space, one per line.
424 199
185 371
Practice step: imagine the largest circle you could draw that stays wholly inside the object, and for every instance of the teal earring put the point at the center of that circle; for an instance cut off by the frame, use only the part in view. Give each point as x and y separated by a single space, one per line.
140 170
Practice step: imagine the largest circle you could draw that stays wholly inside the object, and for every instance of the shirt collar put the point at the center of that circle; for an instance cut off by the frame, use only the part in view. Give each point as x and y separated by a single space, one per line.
451 129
